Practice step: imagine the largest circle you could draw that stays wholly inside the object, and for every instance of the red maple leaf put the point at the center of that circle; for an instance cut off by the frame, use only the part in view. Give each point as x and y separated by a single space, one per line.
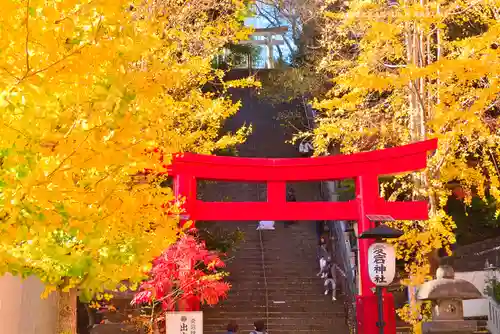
184 271
187 270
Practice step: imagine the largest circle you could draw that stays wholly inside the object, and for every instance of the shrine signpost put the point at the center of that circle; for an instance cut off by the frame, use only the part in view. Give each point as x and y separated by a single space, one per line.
381 268
381 263
364 167
184 322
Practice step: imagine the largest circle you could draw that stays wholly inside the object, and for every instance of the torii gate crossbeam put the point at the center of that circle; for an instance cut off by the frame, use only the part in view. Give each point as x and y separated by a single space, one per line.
365 168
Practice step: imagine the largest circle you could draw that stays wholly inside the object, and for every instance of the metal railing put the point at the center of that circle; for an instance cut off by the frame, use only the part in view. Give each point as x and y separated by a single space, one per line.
340 246
342 258
493 317
340 249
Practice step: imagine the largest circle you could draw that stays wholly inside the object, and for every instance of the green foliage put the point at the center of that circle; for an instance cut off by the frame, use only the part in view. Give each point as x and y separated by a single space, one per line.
292 118
228 152
236 54
492 288
475 222
289 83
217 238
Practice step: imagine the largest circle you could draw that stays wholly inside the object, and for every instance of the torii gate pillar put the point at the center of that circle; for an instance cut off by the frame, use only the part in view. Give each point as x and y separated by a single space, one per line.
365 168
367 194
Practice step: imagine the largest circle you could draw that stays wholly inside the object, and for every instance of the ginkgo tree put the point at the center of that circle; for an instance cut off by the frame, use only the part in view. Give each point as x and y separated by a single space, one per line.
87 88
409 71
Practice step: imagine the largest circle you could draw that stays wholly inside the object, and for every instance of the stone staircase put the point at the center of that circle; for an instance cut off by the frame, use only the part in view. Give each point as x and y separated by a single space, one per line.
282 289
273 273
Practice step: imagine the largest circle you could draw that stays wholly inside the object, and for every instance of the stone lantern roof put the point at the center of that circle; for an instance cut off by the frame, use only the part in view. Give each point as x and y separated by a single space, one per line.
446 286
446 294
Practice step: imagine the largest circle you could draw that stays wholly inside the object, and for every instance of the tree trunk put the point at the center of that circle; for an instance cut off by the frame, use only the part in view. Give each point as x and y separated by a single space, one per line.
156 328
418 99
66 317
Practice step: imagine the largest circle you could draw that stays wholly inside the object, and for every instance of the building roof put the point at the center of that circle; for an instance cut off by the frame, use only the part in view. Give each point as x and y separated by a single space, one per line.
474 257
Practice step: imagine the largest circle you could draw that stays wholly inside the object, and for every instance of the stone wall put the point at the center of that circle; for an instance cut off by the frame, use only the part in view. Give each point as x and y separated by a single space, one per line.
22 311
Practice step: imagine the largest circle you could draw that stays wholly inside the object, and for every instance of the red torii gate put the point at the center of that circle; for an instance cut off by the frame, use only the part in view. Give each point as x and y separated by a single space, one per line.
364 167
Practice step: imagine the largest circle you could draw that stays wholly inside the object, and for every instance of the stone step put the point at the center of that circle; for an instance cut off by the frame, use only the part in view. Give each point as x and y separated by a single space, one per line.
313 293
258 275
297 266
299 296
282 305
114 329
281 319
338 327
224 314
278 327
290 263
271 249
309 266
293 256
272 288
292 283
289 306
259 312
302 252
278 331
272 246
301 269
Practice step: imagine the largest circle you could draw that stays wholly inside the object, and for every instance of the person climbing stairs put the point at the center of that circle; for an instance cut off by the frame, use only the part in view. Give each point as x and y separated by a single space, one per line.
273 272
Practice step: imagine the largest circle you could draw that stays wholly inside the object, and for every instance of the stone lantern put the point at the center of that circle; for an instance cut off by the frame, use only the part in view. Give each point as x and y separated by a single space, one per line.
446 294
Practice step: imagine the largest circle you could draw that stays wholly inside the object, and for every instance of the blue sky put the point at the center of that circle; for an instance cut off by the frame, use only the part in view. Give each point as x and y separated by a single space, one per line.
259 22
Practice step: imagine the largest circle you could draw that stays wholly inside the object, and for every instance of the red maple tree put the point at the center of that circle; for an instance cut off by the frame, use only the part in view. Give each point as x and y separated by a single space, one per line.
185 273
187 270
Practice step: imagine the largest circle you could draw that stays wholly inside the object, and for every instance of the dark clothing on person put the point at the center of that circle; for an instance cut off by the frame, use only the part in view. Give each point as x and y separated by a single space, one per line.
305 154
232 328
323 252
290 197
260 327
320 228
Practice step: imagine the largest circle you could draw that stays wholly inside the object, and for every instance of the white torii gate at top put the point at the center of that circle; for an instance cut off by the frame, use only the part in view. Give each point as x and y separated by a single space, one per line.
268 41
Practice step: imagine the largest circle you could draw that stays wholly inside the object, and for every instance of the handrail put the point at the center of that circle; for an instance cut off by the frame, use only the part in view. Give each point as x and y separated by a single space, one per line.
263 264
493 316
266 288
344 266
340 255
339 252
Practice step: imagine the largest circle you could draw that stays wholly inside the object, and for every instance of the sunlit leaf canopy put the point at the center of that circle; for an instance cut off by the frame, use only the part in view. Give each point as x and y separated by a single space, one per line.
88 89
407 71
